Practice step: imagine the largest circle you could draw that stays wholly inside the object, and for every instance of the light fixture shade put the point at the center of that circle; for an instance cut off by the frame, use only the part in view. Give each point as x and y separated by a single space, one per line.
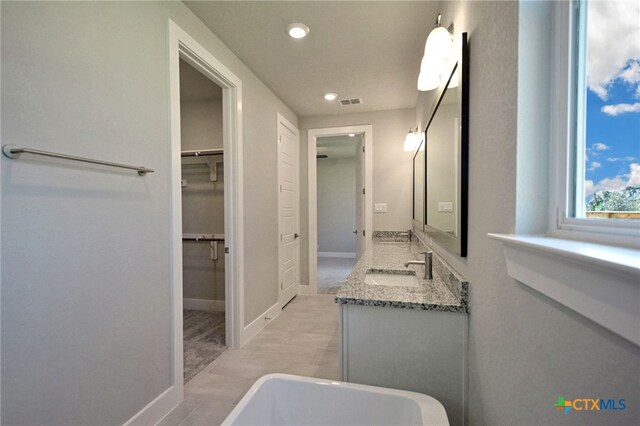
410 141
428 80
438 45
437 54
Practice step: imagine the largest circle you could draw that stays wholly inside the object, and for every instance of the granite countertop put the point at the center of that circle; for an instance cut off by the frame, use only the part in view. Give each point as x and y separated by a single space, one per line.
447 291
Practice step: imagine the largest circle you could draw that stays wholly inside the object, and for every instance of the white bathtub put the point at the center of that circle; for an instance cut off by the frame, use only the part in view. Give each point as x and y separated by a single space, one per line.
283 399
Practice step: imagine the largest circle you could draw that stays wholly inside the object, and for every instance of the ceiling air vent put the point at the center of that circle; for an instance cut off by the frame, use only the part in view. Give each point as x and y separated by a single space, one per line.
352 101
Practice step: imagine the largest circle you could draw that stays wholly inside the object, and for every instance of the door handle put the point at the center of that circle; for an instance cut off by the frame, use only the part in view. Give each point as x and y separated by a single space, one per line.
355 232
296 236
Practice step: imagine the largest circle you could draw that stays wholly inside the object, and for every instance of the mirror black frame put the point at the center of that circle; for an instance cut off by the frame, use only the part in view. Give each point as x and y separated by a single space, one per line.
422 221
457 245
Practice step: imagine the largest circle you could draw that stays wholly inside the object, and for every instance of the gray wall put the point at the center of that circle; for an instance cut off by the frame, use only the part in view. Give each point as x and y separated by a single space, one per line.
523 347
336 204
392 178
202 200
85 251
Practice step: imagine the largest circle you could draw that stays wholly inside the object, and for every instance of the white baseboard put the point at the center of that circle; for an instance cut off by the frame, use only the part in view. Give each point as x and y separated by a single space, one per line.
203 305
336 254
157 409
258 324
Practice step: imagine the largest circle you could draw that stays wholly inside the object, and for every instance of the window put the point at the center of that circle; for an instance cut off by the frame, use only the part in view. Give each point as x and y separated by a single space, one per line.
597 114
585 263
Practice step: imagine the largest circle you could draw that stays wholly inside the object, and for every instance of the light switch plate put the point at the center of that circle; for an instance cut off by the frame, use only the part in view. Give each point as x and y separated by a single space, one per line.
445 206
380 207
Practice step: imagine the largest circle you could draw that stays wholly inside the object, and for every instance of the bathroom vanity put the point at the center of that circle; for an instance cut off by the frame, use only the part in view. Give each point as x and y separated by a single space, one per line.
405 336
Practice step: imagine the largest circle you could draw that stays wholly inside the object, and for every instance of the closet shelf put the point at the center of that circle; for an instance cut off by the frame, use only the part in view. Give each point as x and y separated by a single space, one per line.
203 156
202 152
212 239
203 237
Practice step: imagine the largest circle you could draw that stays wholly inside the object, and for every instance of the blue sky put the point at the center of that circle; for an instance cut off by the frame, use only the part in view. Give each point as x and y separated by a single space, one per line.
613 96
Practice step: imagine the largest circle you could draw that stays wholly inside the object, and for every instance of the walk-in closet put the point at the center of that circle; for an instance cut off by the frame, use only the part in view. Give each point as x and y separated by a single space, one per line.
203 257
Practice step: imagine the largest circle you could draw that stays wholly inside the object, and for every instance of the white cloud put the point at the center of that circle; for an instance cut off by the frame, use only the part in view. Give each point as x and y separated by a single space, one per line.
618 109
632 73
594 165
615 184
588 187
634 175
599 146
615 159
612 39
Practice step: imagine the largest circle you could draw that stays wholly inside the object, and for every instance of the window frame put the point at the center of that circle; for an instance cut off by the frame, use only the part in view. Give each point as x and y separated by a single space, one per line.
567 162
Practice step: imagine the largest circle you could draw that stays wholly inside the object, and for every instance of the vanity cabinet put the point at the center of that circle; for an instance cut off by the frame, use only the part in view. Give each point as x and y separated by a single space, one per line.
417 350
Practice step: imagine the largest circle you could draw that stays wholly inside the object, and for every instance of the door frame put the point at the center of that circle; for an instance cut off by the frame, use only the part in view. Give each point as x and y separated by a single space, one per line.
313 134
282 120
182 45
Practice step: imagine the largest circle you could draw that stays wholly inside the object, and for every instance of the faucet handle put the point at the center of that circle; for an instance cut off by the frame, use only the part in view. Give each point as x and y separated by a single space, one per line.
426 252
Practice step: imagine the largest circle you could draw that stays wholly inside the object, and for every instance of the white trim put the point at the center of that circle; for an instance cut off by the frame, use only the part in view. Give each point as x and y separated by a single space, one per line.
336 254
599 282
565 108
280 119
184 46
205 305
157 409
367 130
259 323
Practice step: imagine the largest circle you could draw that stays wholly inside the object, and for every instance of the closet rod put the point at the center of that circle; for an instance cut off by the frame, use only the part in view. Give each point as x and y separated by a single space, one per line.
202 152
13 152
202 238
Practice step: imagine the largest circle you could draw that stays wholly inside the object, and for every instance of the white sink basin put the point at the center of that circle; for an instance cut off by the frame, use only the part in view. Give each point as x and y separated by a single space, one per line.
283 399
394 280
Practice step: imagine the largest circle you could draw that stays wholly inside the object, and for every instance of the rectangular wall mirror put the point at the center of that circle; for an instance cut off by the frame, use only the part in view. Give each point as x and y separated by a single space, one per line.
447 154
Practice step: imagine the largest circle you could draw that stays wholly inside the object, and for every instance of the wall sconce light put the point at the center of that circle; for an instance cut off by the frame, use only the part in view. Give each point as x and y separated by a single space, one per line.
412 140
437 55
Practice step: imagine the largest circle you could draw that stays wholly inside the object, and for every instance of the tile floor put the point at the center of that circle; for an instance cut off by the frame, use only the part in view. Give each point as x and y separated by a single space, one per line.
333 272
302 340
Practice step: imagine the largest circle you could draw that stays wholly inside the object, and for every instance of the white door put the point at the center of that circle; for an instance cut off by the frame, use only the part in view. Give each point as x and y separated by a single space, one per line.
360 199
288 210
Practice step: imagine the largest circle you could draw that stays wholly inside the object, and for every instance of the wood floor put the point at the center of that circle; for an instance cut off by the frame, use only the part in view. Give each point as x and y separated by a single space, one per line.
332 273
302 340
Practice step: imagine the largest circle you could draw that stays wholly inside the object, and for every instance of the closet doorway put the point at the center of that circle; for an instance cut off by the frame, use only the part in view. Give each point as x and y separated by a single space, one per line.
223 170
203 224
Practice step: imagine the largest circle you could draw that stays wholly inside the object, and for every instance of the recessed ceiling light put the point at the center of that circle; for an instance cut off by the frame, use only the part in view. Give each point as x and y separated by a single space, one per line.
298 30
330 96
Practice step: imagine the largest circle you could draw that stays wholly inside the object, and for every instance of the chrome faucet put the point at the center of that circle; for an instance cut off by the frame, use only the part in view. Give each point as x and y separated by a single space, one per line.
427 262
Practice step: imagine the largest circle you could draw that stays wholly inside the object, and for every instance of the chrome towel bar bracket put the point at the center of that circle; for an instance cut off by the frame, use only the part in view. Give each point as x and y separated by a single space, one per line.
13 152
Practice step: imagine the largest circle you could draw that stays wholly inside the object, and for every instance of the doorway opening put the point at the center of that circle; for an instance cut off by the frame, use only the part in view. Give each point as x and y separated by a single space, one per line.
340 198
340 201
211 179
203 224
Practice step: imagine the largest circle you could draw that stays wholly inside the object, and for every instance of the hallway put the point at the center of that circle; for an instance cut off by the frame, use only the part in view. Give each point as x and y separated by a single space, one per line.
302 340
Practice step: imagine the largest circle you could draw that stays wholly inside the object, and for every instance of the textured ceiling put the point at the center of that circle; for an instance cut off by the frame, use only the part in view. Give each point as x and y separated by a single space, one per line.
357 49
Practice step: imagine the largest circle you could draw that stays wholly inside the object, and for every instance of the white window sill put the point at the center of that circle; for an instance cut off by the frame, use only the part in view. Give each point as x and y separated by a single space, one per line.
598 281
